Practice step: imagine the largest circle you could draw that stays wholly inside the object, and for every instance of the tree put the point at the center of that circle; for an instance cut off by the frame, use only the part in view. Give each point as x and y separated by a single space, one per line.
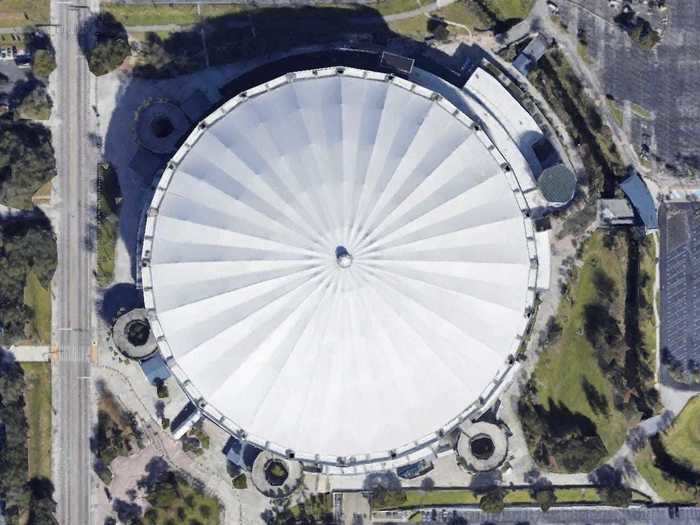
36 104
438 28
493 501
545 497
26 161
105 43
43 63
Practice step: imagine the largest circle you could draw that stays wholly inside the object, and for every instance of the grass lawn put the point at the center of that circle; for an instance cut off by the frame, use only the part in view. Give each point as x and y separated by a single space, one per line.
391 7
640 111
423 498
669 490
20 13
416 27
508 9
38 410
465 14
582 50
211 10
647 320
682 440
564 367
106 243
146 14
617 113
108 199
38 299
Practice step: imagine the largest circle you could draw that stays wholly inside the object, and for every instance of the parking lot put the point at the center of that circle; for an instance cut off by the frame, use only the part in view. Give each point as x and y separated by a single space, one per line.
680 280
662 81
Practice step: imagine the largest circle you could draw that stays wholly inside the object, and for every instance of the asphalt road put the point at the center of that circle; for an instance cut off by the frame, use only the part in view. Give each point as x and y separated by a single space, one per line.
74 293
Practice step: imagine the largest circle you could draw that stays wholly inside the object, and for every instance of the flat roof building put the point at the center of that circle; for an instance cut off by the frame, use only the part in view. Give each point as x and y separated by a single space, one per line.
639 195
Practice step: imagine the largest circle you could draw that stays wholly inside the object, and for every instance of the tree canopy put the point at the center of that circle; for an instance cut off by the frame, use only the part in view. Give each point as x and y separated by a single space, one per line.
43 63
29 502
25 247
26 161
105 43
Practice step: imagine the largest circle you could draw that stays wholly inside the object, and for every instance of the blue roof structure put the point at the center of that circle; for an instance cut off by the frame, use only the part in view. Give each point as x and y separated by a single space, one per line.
640 197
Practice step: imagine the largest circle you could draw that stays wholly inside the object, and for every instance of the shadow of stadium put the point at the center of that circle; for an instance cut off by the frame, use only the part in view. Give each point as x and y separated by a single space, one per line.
223 56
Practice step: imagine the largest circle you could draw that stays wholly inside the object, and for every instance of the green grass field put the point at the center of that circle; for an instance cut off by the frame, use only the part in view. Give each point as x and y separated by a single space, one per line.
617 113
564 367
391 7
38 410
641 112
515 496
21 13
38 299
462 13
146 15
509 9
106 244
668 489
682 440
647 319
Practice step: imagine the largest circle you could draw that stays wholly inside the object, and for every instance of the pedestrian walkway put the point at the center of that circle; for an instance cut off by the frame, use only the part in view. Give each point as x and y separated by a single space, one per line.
31 354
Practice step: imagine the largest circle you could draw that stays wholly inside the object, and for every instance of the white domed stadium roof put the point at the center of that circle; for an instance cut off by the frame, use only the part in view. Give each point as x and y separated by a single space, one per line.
337 264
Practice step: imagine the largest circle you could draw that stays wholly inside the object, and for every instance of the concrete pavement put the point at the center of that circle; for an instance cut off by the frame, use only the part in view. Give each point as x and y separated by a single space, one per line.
73 306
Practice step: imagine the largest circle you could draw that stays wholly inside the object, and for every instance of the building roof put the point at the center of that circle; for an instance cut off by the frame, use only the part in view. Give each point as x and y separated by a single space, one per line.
325 351
557 184
615 211
639 195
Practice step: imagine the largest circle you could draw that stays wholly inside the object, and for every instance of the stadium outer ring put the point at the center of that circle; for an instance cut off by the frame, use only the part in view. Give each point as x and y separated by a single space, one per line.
423 447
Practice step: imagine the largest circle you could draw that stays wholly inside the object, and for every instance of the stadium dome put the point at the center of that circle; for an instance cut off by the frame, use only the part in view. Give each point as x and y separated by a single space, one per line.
337 266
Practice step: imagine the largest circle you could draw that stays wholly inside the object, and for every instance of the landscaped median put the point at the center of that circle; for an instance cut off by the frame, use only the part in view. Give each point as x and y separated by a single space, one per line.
38 411
513 496
109 198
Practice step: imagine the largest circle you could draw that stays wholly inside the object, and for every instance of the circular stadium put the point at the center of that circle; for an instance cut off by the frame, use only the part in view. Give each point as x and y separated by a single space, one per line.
337 266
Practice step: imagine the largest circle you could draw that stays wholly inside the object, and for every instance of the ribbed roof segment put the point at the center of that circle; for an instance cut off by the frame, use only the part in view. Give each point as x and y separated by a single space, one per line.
329 359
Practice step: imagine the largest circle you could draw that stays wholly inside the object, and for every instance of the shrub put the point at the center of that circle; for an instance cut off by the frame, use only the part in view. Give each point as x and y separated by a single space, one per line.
492 501
545 498
162 390
43 63
240 482
36 104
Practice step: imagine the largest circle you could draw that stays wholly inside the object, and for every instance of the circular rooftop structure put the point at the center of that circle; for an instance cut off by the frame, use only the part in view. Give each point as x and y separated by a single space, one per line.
557 184
483 446
336 265
133 335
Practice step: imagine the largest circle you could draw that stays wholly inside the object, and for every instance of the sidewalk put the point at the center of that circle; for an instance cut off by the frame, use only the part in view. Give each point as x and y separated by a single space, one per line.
31 354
